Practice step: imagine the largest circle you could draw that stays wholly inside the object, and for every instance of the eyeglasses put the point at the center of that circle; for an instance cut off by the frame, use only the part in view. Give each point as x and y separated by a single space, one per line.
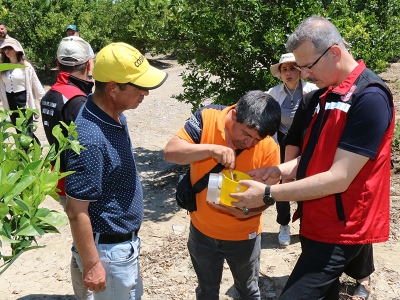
308 68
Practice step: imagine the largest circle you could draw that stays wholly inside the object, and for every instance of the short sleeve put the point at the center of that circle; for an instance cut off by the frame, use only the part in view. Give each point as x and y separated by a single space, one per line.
368 119
86 182
192 129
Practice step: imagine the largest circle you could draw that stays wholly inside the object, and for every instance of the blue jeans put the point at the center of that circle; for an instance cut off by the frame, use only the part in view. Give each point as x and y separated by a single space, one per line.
317 271
208 254
121 264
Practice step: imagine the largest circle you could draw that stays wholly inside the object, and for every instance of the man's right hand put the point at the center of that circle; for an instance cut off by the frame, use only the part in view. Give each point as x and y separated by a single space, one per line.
224 155
95 278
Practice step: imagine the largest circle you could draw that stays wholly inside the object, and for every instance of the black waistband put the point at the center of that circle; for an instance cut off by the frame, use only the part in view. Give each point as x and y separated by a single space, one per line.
105 238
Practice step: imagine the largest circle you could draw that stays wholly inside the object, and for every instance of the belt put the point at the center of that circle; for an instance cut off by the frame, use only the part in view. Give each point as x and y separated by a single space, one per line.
104 238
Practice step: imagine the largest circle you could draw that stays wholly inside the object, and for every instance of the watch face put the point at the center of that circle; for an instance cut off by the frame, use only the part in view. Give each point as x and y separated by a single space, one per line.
269 200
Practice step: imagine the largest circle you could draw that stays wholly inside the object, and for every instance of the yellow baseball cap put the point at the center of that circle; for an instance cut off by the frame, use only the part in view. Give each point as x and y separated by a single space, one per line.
123 63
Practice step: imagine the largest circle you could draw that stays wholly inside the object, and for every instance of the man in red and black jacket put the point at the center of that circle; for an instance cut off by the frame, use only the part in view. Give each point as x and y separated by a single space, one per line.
65 98
343 174
62 103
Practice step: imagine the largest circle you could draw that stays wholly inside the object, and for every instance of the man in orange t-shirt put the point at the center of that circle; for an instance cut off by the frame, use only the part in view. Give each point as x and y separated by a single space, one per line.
220 232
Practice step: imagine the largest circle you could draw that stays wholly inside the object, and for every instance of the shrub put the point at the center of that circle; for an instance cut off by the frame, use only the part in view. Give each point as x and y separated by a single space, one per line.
396 138
228 46
26 178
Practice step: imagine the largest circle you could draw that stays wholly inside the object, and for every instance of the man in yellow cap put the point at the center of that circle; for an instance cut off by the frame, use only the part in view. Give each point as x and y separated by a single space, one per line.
104 195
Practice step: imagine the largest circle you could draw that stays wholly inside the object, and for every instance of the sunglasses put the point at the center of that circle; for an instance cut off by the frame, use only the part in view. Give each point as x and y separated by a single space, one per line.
308 68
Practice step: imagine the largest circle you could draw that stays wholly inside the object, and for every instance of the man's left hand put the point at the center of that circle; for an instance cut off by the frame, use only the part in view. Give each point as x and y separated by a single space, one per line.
252 197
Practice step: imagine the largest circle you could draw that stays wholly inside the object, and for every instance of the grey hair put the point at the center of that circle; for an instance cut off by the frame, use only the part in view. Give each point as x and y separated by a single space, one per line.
318 30
259 110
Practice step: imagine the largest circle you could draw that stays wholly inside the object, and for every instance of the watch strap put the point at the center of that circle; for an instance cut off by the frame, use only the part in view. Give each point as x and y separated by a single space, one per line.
268 190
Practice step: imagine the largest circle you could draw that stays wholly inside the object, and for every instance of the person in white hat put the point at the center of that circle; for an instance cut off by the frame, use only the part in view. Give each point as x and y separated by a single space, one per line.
19 87
289 94
4 35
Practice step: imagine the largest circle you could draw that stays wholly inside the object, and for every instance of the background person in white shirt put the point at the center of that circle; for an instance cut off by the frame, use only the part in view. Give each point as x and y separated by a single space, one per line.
289 94
20 87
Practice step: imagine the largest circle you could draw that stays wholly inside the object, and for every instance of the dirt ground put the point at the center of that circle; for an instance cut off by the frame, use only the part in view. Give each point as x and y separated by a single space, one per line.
165 265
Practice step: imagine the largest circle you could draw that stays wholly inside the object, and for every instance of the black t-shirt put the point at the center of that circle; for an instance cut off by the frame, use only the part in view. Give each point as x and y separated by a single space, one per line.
372 104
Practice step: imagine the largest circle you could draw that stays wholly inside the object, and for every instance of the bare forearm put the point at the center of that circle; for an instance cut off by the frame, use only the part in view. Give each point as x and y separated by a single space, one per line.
93 274
289 168
337 179
182 152
188 154
310 188
82 235
84 242
291 152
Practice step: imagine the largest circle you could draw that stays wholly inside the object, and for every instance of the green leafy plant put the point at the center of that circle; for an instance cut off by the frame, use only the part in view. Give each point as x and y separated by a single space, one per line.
28 173
228 46
396 138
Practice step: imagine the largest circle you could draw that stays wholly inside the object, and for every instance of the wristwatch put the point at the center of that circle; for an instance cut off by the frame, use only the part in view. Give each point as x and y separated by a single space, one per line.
268 199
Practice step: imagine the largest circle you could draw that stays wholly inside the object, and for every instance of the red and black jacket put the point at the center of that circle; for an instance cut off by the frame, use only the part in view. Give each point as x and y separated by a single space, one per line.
359 215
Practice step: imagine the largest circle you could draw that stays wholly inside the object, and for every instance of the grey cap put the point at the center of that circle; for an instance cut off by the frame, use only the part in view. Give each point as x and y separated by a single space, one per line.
73 51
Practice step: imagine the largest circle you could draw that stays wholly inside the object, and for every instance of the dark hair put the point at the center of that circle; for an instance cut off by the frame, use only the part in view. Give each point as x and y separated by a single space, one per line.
102 85
2 23
5 59
72 69
122 86
260 111
99 85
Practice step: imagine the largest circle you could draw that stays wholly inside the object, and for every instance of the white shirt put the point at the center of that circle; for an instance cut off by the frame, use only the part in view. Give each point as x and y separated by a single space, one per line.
14 80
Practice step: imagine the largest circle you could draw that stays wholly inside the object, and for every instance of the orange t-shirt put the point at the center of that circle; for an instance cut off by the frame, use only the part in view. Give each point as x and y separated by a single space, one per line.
213 222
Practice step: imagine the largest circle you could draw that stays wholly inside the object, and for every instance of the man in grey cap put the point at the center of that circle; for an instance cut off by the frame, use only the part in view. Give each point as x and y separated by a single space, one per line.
62 103
72 30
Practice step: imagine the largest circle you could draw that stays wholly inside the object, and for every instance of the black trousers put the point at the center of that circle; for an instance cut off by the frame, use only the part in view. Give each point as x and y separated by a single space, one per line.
317 271
282 208
15 101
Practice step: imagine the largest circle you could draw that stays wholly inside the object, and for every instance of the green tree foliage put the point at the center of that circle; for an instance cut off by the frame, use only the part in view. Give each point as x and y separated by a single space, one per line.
26 178
40 25
227 45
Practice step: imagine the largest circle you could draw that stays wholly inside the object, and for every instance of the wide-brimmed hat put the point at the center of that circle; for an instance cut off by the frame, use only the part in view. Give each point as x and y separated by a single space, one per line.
73 51
13 43
122 63
285 58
